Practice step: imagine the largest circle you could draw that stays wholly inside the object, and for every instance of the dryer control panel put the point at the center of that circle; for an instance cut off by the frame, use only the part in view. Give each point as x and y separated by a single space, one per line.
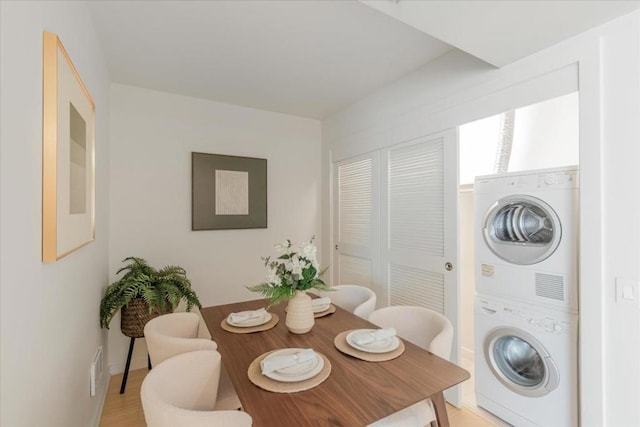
563 178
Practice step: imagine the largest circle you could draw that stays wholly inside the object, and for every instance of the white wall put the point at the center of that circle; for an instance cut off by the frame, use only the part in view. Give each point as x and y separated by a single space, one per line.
545 136
153 135
457 89
49 312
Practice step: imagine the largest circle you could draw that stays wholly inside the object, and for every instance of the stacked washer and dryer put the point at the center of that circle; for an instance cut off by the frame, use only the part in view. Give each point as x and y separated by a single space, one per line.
526 308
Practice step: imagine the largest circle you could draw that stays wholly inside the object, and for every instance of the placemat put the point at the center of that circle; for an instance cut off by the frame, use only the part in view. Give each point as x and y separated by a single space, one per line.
340 341
259 328
255 376
331 309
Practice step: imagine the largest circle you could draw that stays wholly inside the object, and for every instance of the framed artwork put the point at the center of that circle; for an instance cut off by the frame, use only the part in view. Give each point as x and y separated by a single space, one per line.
68 140
228 192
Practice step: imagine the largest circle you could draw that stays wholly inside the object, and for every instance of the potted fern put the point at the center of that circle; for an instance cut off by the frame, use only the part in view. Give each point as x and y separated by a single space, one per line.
143 293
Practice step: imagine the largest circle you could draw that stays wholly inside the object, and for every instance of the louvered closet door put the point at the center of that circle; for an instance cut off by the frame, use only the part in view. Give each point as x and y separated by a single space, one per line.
356 236
419 227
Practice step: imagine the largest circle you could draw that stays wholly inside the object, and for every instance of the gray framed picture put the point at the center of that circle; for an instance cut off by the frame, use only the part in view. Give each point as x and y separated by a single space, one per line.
228 192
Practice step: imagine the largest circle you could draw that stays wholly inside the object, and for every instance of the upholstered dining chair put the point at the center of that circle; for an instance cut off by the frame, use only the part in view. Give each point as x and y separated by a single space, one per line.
427 329
176 333
357 299
182 390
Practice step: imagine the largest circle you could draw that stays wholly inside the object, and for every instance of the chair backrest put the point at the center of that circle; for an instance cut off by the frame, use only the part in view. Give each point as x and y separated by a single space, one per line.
421 326
357 299
172 334
182 391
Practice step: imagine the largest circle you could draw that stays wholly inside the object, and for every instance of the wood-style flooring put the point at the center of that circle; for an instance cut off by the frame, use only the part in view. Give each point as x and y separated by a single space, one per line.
125 410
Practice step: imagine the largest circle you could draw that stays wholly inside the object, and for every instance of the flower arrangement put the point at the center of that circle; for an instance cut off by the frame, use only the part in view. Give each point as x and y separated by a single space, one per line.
296 269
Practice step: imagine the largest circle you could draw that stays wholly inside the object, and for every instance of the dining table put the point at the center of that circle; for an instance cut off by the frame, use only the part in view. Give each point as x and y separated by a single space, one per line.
356 393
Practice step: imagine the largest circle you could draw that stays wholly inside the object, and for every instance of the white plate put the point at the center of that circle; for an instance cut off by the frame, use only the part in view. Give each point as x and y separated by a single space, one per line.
321 308
380 346
300 371
255 321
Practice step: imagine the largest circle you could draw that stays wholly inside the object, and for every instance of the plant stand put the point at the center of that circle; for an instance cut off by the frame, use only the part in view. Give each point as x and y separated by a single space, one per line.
126 368
133 318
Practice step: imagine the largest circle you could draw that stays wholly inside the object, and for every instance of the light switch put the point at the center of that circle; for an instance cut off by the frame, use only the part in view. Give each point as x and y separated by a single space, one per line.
626 290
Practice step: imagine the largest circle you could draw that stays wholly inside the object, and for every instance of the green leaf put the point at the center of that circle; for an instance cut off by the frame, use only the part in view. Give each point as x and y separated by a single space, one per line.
159 288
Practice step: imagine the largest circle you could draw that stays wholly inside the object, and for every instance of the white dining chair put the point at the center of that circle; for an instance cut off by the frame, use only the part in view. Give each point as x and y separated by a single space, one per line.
182 391
176 333
427 329
357 299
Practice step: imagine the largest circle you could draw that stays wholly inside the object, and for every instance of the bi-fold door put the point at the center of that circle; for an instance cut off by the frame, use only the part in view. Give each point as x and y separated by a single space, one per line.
395 226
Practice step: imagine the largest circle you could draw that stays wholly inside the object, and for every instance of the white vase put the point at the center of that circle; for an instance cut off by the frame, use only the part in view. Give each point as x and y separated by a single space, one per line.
300 313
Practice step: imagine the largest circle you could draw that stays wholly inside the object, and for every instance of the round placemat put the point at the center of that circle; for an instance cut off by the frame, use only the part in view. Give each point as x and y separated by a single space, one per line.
259 328
255 376
331 309
340 341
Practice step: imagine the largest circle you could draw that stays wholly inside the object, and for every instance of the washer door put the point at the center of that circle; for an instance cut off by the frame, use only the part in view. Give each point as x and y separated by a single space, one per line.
520 362
522 229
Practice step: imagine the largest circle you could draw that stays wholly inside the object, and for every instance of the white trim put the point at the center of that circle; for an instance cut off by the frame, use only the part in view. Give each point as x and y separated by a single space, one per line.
591 298
101 393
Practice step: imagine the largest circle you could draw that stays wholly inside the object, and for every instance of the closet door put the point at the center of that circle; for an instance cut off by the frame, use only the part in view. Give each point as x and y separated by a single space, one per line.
356 228
419 227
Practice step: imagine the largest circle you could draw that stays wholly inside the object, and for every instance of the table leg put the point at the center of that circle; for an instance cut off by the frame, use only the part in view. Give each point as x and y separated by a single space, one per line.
440 408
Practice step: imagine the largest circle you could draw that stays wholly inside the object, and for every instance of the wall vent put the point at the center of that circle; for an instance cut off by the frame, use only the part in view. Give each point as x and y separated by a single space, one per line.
550 286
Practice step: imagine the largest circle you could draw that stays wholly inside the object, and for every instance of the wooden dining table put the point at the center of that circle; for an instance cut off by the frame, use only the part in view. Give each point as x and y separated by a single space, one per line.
356 393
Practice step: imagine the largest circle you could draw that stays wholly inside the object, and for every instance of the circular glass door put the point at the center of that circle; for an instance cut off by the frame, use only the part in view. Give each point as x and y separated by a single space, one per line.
520 362
522 229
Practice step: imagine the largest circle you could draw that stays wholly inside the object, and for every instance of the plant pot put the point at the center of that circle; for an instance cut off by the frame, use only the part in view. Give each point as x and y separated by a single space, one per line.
300 318
135 315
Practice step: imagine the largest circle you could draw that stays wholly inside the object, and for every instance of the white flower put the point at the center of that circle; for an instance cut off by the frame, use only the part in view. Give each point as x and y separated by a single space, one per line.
309 251
272 276
295 266
284 247
289 269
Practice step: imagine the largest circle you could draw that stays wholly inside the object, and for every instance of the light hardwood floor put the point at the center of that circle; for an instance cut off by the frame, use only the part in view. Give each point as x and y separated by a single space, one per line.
125 410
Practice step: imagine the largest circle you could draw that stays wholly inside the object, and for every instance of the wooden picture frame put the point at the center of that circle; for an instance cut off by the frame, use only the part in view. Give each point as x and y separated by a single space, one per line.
228 192
68 162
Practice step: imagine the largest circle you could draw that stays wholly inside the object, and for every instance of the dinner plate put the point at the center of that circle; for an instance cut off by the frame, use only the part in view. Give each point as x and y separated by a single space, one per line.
380 346
321 308
255 321
300 371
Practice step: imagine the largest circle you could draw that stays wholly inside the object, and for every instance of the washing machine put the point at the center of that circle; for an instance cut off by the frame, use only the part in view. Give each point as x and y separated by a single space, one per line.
526 365
526 238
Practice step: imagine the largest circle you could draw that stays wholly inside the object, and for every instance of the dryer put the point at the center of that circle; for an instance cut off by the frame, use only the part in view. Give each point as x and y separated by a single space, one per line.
527 237
526 366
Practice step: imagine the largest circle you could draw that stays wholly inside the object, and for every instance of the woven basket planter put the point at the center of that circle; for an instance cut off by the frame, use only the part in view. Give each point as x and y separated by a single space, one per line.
135 315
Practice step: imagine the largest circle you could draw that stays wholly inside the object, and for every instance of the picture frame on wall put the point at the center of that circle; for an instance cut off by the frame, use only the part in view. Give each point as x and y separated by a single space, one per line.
228 192
68 155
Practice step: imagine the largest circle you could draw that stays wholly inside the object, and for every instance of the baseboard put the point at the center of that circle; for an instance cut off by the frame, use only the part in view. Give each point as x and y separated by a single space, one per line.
102 395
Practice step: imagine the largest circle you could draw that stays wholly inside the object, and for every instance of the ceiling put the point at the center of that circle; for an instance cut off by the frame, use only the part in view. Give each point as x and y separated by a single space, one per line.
312 58
501 32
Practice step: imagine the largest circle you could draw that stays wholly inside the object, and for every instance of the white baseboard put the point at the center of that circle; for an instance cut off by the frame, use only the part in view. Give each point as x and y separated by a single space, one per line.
102 395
